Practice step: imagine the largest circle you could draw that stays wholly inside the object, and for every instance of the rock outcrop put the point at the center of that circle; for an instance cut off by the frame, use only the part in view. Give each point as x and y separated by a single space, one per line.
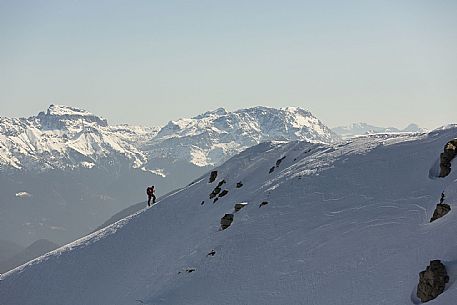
449 153
226 221
216 190
212 176
263 203
223 193
239 184
278 162
432 281
440 210
239 206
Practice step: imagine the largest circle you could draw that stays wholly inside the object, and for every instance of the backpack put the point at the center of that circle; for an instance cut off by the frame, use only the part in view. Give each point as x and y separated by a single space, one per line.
150 190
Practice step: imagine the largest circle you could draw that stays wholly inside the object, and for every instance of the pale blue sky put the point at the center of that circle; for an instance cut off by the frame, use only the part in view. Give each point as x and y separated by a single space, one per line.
147 62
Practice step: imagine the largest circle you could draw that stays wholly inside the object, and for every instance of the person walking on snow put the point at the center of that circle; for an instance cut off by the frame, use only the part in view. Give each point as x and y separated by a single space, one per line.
150 191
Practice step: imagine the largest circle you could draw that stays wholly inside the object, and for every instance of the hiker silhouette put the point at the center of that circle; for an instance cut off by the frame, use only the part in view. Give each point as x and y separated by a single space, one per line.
150 192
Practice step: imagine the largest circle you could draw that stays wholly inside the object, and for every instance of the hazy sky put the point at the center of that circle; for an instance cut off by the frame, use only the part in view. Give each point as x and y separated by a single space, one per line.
146 62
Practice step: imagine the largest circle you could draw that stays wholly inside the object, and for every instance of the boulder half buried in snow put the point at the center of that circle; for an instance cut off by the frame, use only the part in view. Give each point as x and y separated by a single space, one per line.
432 281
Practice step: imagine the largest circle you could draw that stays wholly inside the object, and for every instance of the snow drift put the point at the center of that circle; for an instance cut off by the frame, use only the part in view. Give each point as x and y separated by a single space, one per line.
344 224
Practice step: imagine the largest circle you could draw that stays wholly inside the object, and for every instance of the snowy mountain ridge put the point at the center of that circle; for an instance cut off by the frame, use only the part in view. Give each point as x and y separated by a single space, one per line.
346 223
213 137
65 137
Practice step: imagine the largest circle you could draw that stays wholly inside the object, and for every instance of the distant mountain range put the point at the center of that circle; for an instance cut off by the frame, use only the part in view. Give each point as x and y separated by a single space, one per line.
69 138
66 170
356 129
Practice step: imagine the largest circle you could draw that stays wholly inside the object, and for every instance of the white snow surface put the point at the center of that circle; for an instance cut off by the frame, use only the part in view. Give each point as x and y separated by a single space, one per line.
344 224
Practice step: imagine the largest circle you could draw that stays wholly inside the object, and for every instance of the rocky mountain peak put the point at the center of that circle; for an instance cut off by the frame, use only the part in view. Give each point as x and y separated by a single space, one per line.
60 117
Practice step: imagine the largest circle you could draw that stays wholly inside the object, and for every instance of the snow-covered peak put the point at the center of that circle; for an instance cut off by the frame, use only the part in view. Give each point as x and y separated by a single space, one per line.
64 117
67 137
212 137
218 112
264 120
61 110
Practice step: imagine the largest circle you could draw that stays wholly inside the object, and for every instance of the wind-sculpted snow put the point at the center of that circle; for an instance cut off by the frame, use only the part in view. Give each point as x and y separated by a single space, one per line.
344 224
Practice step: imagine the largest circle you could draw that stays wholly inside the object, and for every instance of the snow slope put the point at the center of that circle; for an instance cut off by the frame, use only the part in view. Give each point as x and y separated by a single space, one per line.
344 224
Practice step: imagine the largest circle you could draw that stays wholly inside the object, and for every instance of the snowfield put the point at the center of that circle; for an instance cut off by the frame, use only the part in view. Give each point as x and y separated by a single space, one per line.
343 224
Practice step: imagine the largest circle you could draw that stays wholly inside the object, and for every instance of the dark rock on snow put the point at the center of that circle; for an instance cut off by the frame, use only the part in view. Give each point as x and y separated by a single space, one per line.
449 153
226 221
440 210
239 184
278 162
432 281
212 176
263 203
239 206
214 193
223 193
221 183
271 170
